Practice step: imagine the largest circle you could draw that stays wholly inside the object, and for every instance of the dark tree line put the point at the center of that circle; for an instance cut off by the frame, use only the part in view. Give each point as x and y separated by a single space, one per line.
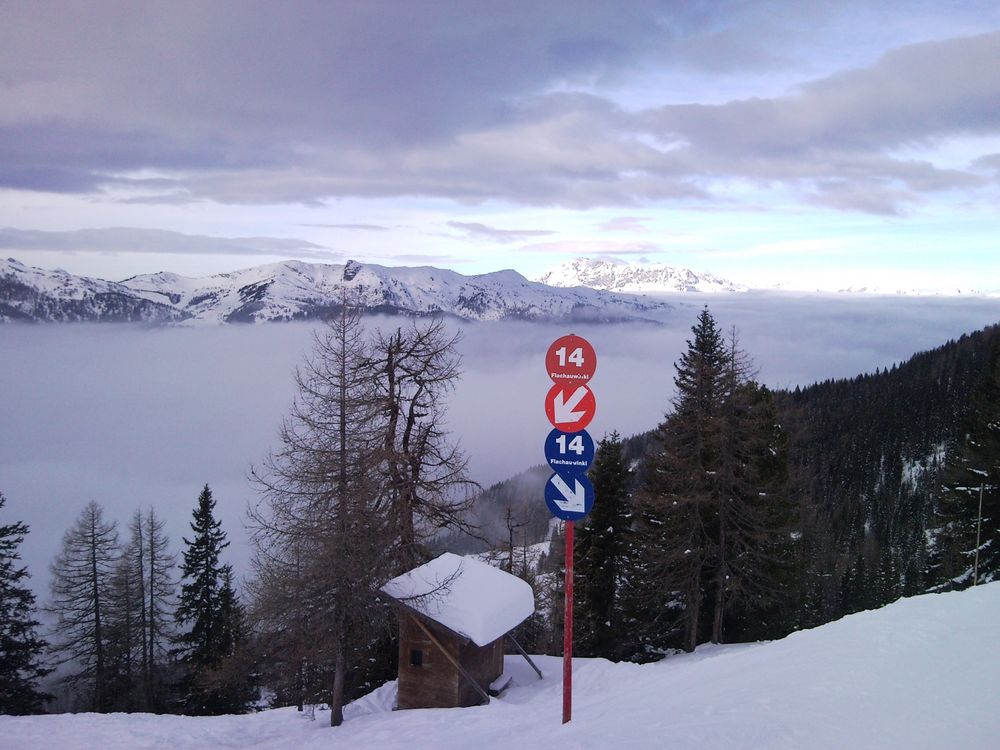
885 467
124 640
965 528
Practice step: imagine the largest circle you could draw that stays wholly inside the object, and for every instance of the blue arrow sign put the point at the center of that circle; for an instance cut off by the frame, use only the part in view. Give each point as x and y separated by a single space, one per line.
569 452
569 496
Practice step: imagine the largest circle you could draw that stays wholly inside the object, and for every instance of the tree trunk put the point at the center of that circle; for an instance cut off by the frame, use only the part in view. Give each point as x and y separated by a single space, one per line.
720 578
98 634
693 615
337 698
144 667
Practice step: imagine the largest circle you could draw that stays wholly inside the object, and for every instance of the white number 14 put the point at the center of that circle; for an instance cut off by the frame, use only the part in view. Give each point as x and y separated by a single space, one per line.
575 357
575 445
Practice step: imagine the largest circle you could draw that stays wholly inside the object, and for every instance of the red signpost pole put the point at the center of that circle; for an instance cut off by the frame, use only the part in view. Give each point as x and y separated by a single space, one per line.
568 630
569 405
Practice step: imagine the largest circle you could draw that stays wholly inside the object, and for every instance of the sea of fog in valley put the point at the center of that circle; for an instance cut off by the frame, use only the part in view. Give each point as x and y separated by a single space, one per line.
133 417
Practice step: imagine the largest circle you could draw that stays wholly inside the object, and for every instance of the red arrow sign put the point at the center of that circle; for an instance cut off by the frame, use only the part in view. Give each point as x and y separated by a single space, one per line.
570 406
570 359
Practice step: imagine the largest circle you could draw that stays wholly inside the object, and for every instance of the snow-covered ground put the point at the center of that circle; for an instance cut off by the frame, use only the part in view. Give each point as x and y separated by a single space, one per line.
921 673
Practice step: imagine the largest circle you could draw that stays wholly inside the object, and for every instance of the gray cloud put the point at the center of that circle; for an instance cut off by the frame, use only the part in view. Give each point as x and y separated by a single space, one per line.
836 134
475 230
475 102
911 94
357 227
133 240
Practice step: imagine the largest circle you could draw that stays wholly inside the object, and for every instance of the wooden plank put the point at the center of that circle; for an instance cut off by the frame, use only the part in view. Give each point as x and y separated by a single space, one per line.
454 662
524 654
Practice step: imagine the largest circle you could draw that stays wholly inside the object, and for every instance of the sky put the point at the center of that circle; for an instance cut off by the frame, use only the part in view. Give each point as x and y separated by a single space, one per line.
815 145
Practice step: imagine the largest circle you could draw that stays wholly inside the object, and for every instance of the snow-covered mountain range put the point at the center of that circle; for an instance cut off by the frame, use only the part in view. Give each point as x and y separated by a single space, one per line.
633 278
293 290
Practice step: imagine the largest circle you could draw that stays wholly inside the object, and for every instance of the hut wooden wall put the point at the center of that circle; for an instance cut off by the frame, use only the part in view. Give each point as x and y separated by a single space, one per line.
436 683
485 664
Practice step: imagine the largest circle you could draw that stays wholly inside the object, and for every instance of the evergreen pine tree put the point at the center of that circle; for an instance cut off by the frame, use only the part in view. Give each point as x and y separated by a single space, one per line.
759 577
200 609
601 544
678 506
233 680
714 515
20 647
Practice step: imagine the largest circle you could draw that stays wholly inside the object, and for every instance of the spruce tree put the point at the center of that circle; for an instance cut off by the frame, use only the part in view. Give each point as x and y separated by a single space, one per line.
713 517
678 507
601 547
20 647
200 609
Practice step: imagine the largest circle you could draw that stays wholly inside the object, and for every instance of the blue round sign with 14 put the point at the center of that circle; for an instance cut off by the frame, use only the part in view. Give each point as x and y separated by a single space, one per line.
569 452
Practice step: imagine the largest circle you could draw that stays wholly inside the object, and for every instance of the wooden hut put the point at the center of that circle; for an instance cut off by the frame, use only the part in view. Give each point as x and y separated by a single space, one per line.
453 615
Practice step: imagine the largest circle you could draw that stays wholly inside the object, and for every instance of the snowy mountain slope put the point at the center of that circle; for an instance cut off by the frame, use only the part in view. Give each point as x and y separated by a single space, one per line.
632 278
294 290
919 674
32 294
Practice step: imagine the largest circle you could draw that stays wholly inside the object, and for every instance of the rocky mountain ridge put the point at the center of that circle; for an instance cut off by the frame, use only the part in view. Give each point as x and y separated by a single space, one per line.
294 290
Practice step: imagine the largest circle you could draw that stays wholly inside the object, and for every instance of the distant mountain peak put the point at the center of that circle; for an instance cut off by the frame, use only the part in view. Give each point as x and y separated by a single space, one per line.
634 278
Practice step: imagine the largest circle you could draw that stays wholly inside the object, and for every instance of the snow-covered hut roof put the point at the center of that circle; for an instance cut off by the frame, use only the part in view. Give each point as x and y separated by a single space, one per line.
469 597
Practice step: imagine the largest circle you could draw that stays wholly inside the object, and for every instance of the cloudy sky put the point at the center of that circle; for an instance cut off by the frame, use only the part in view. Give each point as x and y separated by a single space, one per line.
814 144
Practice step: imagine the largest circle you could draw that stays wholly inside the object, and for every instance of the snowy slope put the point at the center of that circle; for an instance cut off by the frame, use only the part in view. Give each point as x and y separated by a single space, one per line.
917 675
633 278
295 290
34 294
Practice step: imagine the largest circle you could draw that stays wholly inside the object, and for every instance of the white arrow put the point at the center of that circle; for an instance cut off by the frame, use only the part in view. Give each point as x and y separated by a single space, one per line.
564 409
574 499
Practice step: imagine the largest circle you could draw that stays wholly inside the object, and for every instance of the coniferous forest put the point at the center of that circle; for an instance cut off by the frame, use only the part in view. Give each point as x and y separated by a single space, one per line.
744 515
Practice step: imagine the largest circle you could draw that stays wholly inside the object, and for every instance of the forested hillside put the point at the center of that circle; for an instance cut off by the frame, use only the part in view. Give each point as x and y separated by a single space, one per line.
869 458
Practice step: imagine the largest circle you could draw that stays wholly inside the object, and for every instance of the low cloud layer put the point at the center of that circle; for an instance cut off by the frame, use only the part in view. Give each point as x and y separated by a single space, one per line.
132 418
